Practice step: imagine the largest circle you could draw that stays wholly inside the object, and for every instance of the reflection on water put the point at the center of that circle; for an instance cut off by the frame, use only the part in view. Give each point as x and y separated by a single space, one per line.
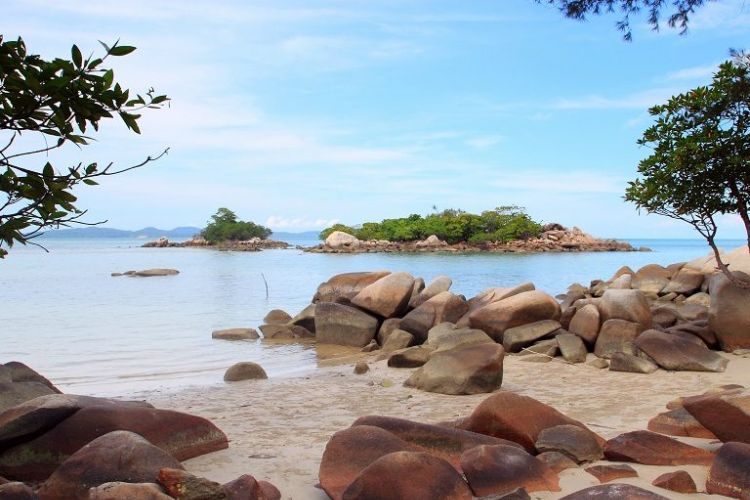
64 315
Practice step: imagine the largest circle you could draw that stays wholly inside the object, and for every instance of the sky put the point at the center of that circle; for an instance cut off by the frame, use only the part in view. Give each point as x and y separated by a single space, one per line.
299 114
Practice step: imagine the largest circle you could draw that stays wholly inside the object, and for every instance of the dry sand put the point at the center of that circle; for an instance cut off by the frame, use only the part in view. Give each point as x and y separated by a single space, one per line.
278 428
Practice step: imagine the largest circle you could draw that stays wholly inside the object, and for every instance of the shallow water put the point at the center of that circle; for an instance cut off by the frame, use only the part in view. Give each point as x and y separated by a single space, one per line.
90 333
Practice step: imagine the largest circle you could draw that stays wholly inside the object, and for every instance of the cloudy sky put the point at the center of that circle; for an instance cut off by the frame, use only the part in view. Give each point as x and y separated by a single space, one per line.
296 114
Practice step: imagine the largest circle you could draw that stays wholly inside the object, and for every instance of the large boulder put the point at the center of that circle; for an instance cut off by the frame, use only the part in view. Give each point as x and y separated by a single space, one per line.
574 441
19 372
518 337
572 348
443 307
686 282
679 422
517 418
630 305
445 442
725 414
471 369
516 310
490 295
179 434
651 279
673 352
343 287
119 490
622 362
115 456
277 317
340 239
40 414
16 393
585 323
650 448
388 296
617 335
411 357
730 472
728 315
398 339
246 370
439 285
495 470
306 317
350 451
445 337
416 476
343 325
616 491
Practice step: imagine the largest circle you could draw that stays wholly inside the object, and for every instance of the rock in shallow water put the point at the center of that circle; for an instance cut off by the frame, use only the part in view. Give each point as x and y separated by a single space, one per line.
244 371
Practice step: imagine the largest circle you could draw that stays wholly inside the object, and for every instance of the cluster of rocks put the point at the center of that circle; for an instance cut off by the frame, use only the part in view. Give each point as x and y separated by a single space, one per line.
148 273
512 445
56 446
554 238
672 317
251 245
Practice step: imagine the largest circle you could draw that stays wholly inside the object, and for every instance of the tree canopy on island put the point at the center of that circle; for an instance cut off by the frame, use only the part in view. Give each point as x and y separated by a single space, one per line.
678 13
700 165
502 224
224 226
55 103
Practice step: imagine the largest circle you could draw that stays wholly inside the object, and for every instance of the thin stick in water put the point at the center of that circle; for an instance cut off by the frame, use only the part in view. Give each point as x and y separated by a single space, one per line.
265 283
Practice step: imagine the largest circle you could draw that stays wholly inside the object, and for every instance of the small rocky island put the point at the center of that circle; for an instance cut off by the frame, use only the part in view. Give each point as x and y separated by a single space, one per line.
552 238
250 245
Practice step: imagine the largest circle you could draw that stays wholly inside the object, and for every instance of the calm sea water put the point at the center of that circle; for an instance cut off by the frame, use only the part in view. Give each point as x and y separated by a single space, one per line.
90 333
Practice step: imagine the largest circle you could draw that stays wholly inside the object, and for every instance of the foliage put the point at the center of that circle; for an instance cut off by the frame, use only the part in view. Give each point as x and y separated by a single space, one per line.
678 17
700 165
502 224
224 226
55 101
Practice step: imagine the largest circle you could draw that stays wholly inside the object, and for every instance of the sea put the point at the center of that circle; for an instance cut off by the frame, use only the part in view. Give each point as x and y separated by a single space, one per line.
63 314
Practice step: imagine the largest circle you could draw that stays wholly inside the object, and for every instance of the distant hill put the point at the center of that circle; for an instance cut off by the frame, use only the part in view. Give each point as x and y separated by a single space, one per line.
108 232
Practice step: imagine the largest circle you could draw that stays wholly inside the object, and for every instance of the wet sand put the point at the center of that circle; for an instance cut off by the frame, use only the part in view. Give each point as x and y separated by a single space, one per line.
278 428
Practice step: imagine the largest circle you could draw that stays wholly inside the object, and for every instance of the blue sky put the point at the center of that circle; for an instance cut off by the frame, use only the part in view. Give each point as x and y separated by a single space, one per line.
296 114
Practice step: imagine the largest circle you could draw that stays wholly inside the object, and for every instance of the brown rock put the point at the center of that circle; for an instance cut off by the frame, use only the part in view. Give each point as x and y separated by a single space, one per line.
673 352
630 305
443 307
343 325
119 490
387 297
730 472
20 372
411 357
15 393
438 285
516 338
578 443
489 296
445 337
305 318
679 422
428 478
686 282
599 363
361 367
115 456
728 315
679 481
444 442
572 348
502 469
148 273
244 371
398 339
607 473
343 287
285 332
17 491
181 435
514 417
185 486
725 414
472 369
585 323
617 335
546 348
622 362
516 310
388 327
235 334
350 451
557 461
277 317
651 278
246 487
614 492
650 448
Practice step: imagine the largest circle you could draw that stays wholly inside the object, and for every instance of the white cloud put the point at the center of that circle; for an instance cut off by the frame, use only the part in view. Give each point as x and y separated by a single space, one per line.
638 100
484 141
694 73
541 182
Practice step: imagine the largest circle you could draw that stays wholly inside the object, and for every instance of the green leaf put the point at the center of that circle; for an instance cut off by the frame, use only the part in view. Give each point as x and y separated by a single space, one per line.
75 53
122 50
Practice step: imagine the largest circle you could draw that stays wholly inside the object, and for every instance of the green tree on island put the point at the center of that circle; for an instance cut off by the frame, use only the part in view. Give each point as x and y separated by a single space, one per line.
58 101
700 165
677 17
502 224
224 226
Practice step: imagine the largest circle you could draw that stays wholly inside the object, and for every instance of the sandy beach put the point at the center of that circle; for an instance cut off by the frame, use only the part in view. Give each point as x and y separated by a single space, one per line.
278 428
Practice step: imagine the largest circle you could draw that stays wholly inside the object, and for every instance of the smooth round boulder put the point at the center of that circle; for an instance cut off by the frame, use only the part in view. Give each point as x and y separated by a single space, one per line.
412 475
343 325
388 297
728 314
340 239
438 285
342 287
576 442
572 348
729 474
246 370
630 305
277 317
617 335
516 310
585 323
674 352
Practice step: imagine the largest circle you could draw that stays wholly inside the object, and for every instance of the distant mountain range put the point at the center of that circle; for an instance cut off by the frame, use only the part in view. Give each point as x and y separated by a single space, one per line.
153 233
108 232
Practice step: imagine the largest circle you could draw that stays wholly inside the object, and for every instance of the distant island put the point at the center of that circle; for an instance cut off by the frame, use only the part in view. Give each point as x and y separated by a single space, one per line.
107 232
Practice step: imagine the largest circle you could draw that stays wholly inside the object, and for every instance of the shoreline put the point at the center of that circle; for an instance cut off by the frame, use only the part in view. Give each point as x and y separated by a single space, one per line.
278 428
